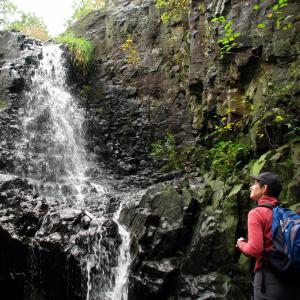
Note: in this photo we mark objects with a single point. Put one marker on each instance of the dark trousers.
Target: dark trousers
(276, 288)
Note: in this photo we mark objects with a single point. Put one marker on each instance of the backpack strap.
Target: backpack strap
(268, 205)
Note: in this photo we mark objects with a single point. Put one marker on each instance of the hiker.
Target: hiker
(267, 283)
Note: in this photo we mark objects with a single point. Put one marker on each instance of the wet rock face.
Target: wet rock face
(132, 105)
(19, 57)
(45, 247)
(33, 264)
(258, 70)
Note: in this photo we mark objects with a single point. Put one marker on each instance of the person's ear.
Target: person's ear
(265, 189)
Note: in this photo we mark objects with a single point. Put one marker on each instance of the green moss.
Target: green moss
(85, 91)
(82, 50)
(3, 104)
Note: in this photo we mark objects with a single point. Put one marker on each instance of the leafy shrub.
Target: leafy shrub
(81, 49)
(30, 25)
(226, 156)
(282, 22)
(228, 41)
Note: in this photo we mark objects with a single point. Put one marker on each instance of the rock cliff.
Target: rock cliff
(229, 117)
(174, 81)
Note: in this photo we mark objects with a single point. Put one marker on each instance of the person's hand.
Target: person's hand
(239, 240)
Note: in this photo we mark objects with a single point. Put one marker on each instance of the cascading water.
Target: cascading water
(52, 154)
(52, 123)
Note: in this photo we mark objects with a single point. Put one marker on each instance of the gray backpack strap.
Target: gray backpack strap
(269, 205)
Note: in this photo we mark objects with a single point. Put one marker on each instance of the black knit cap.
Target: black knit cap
(271, 180)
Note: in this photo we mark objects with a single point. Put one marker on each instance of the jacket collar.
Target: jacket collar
(268, 199)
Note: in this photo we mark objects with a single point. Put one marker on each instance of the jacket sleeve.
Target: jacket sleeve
(254, 245)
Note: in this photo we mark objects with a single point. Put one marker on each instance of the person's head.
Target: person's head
(265, 184)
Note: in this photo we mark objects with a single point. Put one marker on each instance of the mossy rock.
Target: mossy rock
(164, 201)
(229, 221)
(201, 192)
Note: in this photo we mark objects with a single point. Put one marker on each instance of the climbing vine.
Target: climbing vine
(228, 41)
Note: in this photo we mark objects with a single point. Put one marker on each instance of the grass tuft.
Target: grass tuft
(82, 50)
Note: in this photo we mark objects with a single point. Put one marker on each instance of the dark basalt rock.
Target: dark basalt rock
(19, 57)
(130, 107)
(44, 245)
(160, 236)
(32, 253)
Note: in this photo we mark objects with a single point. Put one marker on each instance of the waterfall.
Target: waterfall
(52, 130)
(52, 153)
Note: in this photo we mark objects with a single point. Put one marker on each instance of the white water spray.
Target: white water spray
(52, 123)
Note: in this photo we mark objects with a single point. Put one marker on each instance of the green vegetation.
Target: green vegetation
(85, 91)
(3, 104)
(223, 158)
(82, 8)
(132, 54)
(272, 119)
(228, 41)
(174, 10)
(224, 125)
(81, 49)
(282, 22)
(226, 156)
(167, 151)
(7, 11)
(27, 23)
(30, 25)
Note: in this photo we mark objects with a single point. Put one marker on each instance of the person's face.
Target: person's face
(257, 190)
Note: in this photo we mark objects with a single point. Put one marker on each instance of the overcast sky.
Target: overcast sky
(53, 12)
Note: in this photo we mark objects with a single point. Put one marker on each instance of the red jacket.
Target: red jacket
(259, 231)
